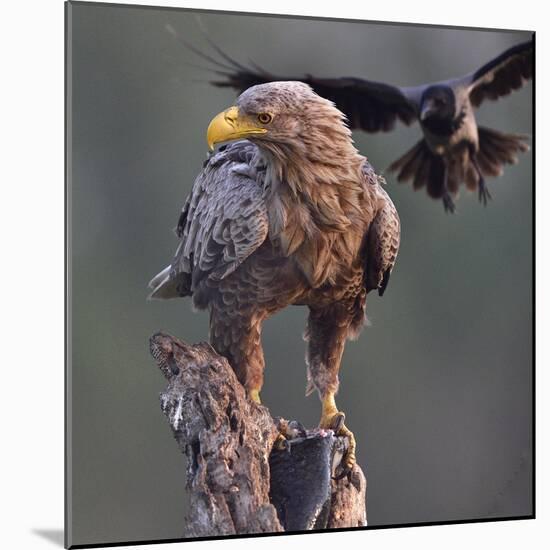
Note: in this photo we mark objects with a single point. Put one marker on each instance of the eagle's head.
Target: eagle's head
(287, 114)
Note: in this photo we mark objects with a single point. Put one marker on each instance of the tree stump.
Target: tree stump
(238, 483)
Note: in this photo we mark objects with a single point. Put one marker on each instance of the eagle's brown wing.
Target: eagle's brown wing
(382, 243)
(507, 72)
(223, 221)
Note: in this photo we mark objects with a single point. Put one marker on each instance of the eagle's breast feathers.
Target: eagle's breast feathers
(321, 235)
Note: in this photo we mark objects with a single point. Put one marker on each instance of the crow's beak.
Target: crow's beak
(428, 109)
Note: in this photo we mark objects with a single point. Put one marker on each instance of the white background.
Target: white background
(31, 252)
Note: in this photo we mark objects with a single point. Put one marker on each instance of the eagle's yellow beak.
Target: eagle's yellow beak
(230, 125)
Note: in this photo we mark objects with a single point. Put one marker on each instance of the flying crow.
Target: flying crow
(454, 149)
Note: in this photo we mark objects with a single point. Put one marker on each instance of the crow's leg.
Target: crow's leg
(326, 334)
(484, 195)
(448, 203)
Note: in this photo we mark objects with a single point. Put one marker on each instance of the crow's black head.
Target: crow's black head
(437, 103)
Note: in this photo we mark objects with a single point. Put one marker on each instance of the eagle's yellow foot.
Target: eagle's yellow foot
(280, 442)
(255, 396)
(289, 431)
(333, 419)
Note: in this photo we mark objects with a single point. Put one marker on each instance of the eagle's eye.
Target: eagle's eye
(265, 118)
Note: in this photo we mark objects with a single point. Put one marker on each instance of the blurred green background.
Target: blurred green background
(438, 390)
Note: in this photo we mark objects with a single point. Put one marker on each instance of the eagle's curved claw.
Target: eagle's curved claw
(336, 423)
(281, 443)
(288, 430)
(349, 460)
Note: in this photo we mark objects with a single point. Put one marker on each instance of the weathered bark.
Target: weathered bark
(237, 482)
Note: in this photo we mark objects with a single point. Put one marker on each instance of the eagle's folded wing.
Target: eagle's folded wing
(382, 245)
(223, 221)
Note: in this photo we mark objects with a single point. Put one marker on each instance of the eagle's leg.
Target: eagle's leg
(254, 394)
(333, 419)
(238, 339)
(327, 331)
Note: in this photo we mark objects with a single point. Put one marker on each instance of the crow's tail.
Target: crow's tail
(422, 168)
(497, 149)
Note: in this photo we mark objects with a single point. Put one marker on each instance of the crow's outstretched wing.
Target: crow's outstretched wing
(369, 106)
(499, 77)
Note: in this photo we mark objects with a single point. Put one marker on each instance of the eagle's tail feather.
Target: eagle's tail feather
(159, 278)
(165, 286)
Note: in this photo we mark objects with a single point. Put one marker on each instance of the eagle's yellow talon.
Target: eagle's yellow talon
(333, 419)
(280, 443)
(255, 396)
(348, 462)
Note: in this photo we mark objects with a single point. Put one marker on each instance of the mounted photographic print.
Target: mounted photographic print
(299, 274)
